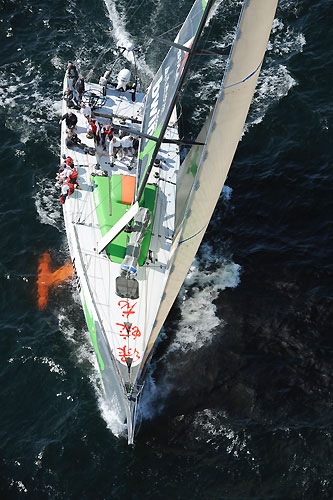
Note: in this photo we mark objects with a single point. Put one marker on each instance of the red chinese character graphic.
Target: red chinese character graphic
(127, 309)
(135, 332)
(124, 328)
(127, 330)
(124, 353)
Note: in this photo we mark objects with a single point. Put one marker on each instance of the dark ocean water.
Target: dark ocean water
(238, 401)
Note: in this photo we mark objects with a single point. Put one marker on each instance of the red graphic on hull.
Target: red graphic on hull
(130, 331)
(126, 352)
(127, 331)
(126, 308)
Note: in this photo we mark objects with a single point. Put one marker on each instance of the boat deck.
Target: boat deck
(97, 273)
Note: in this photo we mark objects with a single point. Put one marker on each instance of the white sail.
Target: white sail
(224, 132)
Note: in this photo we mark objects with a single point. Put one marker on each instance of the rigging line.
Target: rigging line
(204, 41)
(171, 29)
(84, 205)
(93, 208)
(76, 199)
(102, 54)
(92, 211)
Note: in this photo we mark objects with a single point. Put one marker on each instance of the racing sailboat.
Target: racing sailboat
(135, 224)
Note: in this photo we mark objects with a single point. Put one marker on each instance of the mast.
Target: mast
(208, 166)
(157, 112)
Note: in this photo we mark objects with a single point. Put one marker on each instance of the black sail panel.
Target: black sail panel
(165, 87)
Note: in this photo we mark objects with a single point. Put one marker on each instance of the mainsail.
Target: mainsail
(165, 87)
(207, 168)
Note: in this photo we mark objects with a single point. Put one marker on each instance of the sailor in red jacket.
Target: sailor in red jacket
(66, 190)
(66, 161)
(72, 176)
(94, 126)
(107, 133)
(69, 162)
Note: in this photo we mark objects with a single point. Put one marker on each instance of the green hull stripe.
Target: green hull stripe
(92, 331)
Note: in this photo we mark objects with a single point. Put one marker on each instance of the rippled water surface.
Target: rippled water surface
(238, 401)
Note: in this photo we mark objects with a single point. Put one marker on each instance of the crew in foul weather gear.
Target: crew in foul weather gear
(69, 160)
(66, 190)
(94, 127)
(72, 176)
(66, 161)
(107, 133)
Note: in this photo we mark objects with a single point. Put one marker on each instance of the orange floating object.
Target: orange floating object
(50, 279)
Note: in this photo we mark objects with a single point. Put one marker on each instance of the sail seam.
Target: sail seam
(193, 236)
(247, 78)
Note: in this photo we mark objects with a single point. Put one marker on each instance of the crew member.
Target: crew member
(66, 190)
(94, 126)
(66, 161)
(114, 147)
(71, 120)
(72, 176)
(103, 81)
(72, 75)
(86, 111)
(79, 87)
(106, 133)
(127, 145)
(72, 140)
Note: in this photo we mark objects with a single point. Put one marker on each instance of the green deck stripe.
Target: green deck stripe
(101, 188)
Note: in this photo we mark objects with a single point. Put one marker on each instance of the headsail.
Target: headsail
(224, 131)
(164, 89)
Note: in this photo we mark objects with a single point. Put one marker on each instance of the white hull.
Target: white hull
(106, 312)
